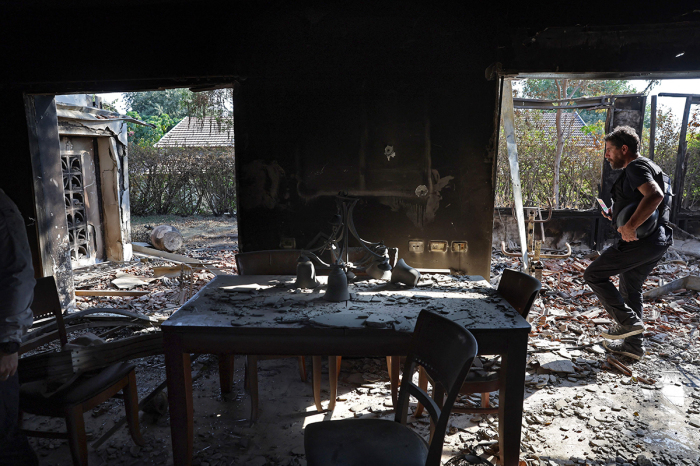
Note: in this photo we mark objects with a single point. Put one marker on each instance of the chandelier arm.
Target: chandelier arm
(351, 225)
(313, 256)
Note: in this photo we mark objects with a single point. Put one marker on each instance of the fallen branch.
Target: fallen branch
(619, 366)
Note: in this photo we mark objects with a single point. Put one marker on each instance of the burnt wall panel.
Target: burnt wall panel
(413, 142)
(16, 177)
(287, 56)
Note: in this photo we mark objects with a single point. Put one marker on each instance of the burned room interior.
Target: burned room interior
(366, 154)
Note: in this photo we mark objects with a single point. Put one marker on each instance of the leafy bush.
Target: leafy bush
(580, 169)
(181, 180)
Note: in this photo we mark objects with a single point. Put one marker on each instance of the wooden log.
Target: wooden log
(166, 238)
(144, 250)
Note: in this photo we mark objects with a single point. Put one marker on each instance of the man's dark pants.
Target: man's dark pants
(14, 447)
(632, 261)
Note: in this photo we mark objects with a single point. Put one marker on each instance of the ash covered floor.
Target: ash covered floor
(579, 409)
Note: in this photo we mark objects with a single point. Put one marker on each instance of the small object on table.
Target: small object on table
(404, 273)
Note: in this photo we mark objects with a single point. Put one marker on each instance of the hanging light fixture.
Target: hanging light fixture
(376, 264)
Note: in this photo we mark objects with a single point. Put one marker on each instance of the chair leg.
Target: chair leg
(131, 405)
(338, 361)
(485, 400)
(333, 370)
(423, 384)
(393, 365)
(77, 440)
(226, 372)
(251, 371)
(316, 362)
(302, 368)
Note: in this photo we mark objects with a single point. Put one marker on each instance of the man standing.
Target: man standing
(16, 295)
(641, 182)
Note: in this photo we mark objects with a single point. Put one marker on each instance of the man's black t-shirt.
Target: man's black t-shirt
(624, 192)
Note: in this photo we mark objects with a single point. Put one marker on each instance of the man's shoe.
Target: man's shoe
(620, 332)
(625, 349)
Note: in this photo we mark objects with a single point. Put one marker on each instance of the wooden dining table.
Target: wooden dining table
(268, 315)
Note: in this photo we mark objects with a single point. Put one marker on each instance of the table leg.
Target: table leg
(226, 372)
(333, 368)
(316, 363)
(251, 372)
(510, 399)
(179, 374)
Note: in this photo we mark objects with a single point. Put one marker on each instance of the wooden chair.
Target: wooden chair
(446, 351)
(80, 394)
(520, 290)
(272, 262)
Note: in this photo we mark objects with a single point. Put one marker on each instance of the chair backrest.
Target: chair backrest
(446, 351)
(519, 289)
(47, 303)
(272, 262)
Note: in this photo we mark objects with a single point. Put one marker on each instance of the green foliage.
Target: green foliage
(181, 181)
(155, 103)
(547, 89)
(165, 109)
(110, 106)
(580, 168)
(145, 135)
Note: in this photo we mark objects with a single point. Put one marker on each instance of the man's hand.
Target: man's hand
(602, 212)
(628, 233)
(8, 365)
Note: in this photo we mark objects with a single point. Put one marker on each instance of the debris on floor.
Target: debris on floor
(582, 406)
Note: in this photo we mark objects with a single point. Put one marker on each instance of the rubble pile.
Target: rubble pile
(609, 409)
(582, 406)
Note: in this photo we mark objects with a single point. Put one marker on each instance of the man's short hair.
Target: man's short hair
(624, 136)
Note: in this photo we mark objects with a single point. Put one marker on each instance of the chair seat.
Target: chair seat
(482, 376)
(87, 386)
(363, 442)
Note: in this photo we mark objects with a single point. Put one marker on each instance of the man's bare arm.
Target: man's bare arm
(653, 196)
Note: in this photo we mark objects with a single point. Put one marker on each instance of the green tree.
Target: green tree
(165, 109)
(562, 90)
(172, 102)
(145, 135)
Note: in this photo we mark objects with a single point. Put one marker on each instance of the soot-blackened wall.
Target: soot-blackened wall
(397, 113)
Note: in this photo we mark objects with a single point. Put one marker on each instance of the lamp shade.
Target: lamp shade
(337, 290)
(404, 273)
(306, 273)
(379, 269)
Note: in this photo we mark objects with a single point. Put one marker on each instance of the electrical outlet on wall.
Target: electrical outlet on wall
(416, 246)
(288, 243)
(438, 246)
(459, 246)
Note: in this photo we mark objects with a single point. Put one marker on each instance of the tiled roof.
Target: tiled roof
(198, 132)
(572, 123)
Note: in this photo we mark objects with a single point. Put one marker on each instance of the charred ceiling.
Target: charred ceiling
(388, 103)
